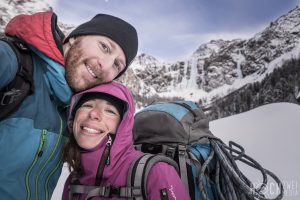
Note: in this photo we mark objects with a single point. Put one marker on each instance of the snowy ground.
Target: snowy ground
(270, 134)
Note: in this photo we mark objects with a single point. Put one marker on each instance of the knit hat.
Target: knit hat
(117, 103)
(120, 31)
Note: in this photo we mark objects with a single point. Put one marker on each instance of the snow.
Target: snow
(270, 135)
(190, 83)
(238, 58)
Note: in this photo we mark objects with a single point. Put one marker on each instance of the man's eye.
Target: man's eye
(118, 66)
(104, 47)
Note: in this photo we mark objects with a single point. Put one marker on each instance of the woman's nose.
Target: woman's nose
(96, 114)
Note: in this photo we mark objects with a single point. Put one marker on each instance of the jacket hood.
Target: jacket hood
(122, 151)
(39, 30)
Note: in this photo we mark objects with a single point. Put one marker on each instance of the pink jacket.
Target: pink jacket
(161, 176)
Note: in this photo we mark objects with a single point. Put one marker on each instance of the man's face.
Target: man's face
(92, 60)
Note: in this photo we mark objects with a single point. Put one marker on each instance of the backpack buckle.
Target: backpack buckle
(114, 191)
(110, 191)
(170, 152)
(10, 96)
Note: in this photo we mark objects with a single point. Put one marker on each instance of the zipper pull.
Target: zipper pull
(108, 146)
(108, 143)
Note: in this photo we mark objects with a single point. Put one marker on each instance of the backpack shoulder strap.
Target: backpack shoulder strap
(104, 191)
(140, 168)
(22, 85)
(101, 191)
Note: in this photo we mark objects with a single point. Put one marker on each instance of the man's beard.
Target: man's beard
(72, 62)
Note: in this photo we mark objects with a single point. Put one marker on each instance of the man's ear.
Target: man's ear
(72, 40)
(67, 45)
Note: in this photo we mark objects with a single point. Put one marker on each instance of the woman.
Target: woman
(100, 149)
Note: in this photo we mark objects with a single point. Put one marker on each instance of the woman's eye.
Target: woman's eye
(111, 111)
(87, 105)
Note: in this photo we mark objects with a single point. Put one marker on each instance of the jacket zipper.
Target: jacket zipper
(105, 160)
(46, 163)
(37, 156)
(50, 157)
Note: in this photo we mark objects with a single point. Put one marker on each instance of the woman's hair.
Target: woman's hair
(71, 155)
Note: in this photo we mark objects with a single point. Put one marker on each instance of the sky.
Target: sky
(269, 134)
(171, 30)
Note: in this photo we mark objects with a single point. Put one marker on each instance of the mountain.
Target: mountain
(11, 8)
(221, 72)
(225, 76)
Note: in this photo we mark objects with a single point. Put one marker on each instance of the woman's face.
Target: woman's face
(94, 119)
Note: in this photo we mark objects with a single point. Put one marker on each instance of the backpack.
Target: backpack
(180, 131)
(21, 86)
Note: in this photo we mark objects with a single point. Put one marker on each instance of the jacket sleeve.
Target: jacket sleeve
(164, 178)
(8, 64)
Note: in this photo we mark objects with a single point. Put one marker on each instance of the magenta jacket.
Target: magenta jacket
(161, 176)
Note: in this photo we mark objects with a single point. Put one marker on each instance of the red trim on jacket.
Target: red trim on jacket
(36, 30)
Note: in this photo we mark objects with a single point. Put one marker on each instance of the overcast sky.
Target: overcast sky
(172, 30)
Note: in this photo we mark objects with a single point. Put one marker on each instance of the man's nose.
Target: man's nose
(106, 61)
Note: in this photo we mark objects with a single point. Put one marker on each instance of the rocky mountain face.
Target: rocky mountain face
(225, 77)
(219, 68)
(11, 8)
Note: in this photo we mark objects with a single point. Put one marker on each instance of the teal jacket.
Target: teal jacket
(31, 139)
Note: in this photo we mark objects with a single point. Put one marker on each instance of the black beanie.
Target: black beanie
(121, 32)
(118, 103)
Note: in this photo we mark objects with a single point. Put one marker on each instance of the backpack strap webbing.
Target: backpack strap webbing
(182, 165)
(140, 168)
(104, 191)
(22, 85)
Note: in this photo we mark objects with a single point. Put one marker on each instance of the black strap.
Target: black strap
(22, 85)
(140, 168)
(104, 191)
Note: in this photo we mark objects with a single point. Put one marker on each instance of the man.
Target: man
(32, 137)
